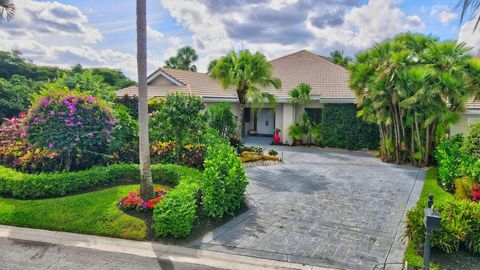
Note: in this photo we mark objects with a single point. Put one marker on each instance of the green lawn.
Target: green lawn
(429, 187)
(88, 213)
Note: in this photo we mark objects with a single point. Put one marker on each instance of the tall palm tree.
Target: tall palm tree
(339, 59)
(248, 73)
(469, 8)
(146, 183)
(7, 10)
(184, 59)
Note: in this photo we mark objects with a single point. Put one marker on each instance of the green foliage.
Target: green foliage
(12, 63)
(191, 155)
(317, 132)
(177, 214)
(413, 87)
(300, 95)
(339, 59)
(178, 119)
(221, 118)
(342, 129)
(131, 103)
(225, 180)
(471, 145)
(32, 186)
(296, 131)
(273, 152)
(74, 125)
(183, 60)
(112, 77)
(449, 159)
(15, 95)
(463, 188)
(124, 144)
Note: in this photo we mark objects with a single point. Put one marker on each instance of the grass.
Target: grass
(429, 187)
(88, 213)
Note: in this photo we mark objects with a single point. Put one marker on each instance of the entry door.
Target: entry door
(265, 121)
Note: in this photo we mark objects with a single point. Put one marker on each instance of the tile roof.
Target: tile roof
(327, 79)
(473, 104)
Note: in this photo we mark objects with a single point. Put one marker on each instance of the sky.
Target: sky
(102, 32)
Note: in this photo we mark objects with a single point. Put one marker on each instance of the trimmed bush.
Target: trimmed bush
(177, 214)
(341, 128)
(225, 180)
(471, 145)
(449, 158)
(32, 186)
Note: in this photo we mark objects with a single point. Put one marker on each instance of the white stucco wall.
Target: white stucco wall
(465, 120)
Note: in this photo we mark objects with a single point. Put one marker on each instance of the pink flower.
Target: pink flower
(50, 145)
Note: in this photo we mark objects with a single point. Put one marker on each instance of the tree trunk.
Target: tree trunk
(427, 145)
(146, 183)
(240, 120)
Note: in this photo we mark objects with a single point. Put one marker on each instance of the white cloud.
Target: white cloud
(155, 35)
(443, 13)
(345, 25)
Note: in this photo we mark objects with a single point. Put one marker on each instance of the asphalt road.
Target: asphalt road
(25, 255)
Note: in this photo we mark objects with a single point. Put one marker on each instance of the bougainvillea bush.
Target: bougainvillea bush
(17, 154)
(76, 125)
(135, 202)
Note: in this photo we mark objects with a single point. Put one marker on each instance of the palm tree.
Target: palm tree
(248, 73)
(339, 59)
(146, 183)
(211, 65)
(7, 8)
(184, 59)
(300, 95)
(469, 9)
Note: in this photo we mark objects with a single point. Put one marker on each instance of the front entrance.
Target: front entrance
(259, 122)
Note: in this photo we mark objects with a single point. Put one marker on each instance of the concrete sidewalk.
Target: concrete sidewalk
(134, 252)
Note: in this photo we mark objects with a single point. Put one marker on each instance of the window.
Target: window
(246, 115)
(314, 114)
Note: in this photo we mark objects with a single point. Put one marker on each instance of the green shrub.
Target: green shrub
(31, 186)
(273, 152)
(341, 128)
(460, 226)
(221, 118)
(471, 145)
(177, 214)
(449, 158)
(463, 188)
(225, 180)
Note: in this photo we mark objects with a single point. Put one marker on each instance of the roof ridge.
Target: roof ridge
(290, 54)
(324, 59)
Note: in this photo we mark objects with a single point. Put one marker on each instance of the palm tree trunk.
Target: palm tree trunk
(240, 120)
(427, 145)
(146, 183)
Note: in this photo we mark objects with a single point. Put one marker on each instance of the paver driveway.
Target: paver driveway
(329, 208)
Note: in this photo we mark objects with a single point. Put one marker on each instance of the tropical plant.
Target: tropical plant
(295, 131)
(183, 60)
(248, 73)
(179, 115)
(316, 133)
(339, 59)
(7, 9)
(413, 88)
(471, 144)
(221, 118)
(211, 65)
(146, 183)
(300, 95)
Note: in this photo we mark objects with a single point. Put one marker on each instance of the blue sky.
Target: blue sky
(102, 33)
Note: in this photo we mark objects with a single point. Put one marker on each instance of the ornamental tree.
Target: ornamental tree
(75, 125)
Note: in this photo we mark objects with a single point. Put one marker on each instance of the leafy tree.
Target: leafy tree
(15, 95)
(221, 118)
(248, 73)
(183, 60)
(339, 59)
(146, 182)
(12, 63)
(7, 9)
(179, 116)
(211, 65)
(113, 77)
(87, 82)
(413, 88)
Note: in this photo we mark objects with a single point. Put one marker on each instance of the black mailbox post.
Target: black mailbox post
(431, 220)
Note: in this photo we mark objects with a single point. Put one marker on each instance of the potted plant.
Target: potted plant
(296, 131)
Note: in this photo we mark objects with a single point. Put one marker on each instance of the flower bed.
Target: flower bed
(134, 202)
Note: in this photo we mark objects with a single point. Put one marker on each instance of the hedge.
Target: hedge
(33, 186)
(177, 214)
(341, 128)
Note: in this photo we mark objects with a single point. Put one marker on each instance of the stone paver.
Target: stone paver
(332, 208)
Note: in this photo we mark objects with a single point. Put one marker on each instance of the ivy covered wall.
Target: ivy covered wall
(341, 128)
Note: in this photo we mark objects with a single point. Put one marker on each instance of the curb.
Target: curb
(149, 249)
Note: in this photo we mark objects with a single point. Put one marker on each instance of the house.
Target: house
(329, 83)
